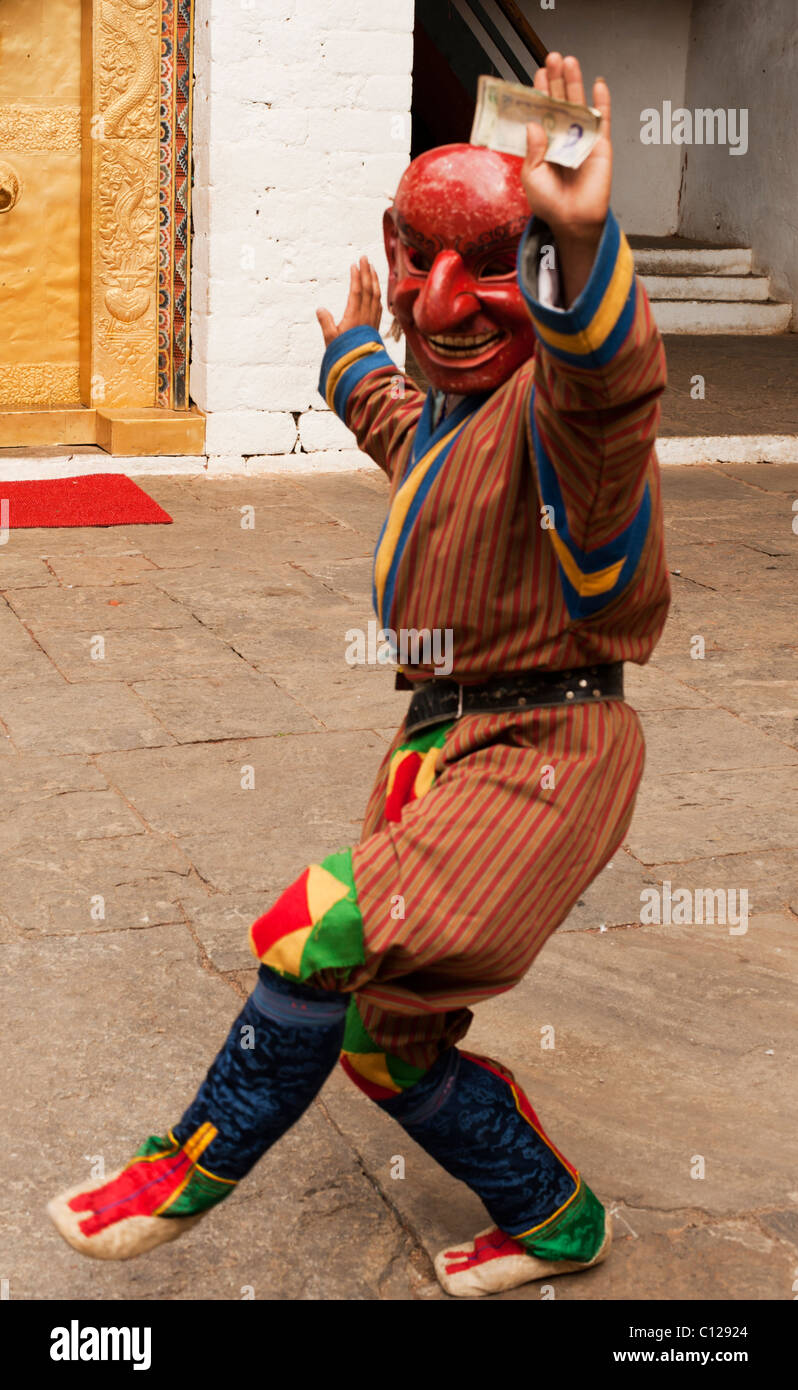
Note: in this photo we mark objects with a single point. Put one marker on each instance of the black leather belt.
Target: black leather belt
(437, 701)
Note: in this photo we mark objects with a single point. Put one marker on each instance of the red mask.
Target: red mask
(451, 238)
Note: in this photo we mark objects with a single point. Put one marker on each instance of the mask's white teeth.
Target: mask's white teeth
(462, 344)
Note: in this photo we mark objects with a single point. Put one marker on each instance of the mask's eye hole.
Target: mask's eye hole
(419, 262)
(498, 267)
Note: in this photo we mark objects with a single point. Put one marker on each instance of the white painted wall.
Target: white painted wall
(747, 56)
(641, 49)
(301, 133)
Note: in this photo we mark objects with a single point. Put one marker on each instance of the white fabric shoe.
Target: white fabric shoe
(127, 1236)
(493, 1262)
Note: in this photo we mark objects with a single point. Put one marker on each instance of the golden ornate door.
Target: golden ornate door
(95, 117)
(40, 173)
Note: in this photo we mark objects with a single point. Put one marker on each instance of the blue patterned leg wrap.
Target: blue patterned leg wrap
(466, 1117)
(279, 1052)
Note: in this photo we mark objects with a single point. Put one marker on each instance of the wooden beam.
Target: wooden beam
(524, 30)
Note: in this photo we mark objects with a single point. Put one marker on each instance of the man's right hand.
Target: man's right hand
(363, 307)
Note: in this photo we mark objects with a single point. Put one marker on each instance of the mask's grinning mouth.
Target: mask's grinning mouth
(463, 344)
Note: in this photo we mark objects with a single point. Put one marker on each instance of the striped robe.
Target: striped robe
(529, 522)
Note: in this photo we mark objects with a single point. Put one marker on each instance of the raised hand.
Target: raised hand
(363, 307)
(573, 202)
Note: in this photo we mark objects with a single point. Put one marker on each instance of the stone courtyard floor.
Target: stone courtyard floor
(132, 861)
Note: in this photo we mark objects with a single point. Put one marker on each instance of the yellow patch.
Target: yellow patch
(372, 1066)
(427, 772)
(590, 339)
(198, 1142)
(323, 890)
(286, 954)
(586, 584)
(343, 363)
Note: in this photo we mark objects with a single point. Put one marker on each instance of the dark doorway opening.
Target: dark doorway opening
(454, 42)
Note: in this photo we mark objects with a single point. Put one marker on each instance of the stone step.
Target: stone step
(711, 287)
(693, 260)
(708, 316)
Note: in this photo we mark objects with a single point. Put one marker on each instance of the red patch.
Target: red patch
(402, 790)
(139, 1191)
(289, 913)
(494, 1245)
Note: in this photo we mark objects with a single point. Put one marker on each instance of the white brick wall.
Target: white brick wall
(301, 133)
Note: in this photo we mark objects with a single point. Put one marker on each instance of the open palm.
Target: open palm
(363, 307)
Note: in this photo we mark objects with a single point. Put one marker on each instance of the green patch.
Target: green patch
(428, 738)
(200, 1192)
(576, 1233)
(336, 942)
(157, 1146)
(356, 1038)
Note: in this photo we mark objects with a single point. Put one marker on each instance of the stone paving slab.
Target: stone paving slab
(240, 704)
(780, 477)
(351, 579)
(21, 571)
(231, 600)
(70, 888)
(692, 740)
(83, 815)
(180, 790)
(131, 656)
(709, 492)
(733, 568)
(356, 698)
(136, 606)
(102, 571)
(613, 899)
(693, 815)
(748, 384)
(48, 542)
(649, 690)
(362, 506)
(67, 719)
(266, 860)
(769, 879)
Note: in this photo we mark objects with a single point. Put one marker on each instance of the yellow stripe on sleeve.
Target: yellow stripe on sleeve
(590, 339)
(338, 369)
(401, 506)
(586, 585)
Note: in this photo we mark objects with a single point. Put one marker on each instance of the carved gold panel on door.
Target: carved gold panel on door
(120, 284)
(40, 211)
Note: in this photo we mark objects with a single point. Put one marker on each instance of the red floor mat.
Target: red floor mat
(100, 499)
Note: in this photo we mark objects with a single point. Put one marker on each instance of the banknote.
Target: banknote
(504, 109)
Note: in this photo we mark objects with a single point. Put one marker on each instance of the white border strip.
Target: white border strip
(728, 448)
(672, 451)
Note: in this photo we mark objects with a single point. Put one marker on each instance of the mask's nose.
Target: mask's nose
(448, 297)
